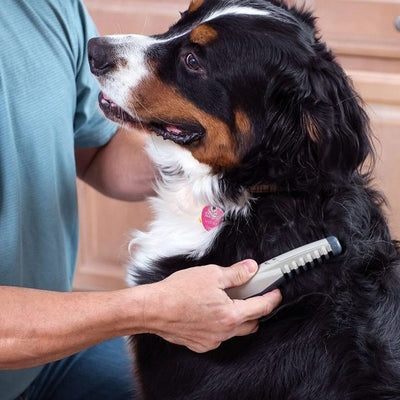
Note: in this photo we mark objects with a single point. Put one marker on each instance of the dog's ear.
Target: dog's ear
(334, 120)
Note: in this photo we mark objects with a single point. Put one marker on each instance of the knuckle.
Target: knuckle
(229, 335)
(210, 345)
(225, 336)
(255, 327)
(215, 345)
(269, 307)
(228, 321)
(215, 271)
(240, 274)
(202, 349)
(219, 271)
(231, 321)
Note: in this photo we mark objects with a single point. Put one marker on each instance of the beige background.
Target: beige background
(363, 35)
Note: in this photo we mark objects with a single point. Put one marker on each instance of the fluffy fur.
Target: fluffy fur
(255, 97)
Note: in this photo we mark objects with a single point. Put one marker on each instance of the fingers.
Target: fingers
(259, 306)
(246, 328)
(238, 274)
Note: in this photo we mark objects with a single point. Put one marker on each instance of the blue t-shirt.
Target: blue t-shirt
(48, 106)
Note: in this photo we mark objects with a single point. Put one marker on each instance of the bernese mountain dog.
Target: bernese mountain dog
(255, 127)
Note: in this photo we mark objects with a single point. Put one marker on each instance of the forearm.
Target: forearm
(189, 308)
(38, 326)
(121, 169)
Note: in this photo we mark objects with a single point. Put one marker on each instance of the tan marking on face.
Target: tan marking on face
(242, 121)
(154, 100)
(195, 5)
(244, 130)
(203, 34)
(311, 128)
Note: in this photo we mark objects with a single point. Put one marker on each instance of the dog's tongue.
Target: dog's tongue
(173, 129)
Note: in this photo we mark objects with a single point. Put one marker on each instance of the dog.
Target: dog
(252, 121)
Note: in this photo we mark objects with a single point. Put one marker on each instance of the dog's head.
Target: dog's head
(245, 86)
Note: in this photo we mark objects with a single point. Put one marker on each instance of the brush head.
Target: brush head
(276, 272)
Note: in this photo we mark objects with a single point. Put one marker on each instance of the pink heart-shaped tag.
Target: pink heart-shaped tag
(211, 217)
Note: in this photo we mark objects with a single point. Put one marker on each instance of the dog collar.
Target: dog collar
(212, 216)
(264, 189)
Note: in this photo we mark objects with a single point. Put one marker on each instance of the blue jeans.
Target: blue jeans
(102, 372)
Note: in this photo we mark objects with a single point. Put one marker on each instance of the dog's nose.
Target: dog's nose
(101, 57)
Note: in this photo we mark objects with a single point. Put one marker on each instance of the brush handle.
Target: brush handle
(275, 272)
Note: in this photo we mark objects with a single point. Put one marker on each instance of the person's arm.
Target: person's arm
(121, 169)
(189, 308)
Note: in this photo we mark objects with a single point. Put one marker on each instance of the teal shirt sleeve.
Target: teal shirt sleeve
(91, 128)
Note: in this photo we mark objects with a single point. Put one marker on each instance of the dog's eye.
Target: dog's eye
(192, 62)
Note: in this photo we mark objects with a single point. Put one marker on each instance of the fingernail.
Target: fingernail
(251, 265)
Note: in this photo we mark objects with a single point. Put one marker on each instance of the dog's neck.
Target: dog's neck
(190, 183)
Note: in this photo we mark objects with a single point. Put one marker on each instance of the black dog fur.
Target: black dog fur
(337, 333)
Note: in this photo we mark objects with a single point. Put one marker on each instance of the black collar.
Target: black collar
(265, 189)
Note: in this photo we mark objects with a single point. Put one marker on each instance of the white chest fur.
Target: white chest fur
(184, 189)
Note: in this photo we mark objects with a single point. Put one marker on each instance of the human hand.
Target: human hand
(191, 307)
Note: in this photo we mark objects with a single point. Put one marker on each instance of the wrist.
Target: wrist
(137, 310)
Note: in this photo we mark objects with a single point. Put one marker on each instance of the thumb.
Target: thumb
(238, 274)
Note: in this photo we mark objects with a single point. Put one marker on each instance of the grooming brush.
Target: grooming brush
(275, 272)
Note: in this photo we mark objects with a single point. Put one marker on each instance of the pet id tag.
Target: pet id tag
(211, 217)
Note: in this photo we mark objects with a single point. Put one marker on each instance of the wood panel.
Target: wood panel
(360, 27)
(377, 87)
(135, 16)
(385, 123)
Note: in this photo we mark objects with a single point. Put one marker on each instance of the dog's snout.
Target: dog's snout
(101, 56)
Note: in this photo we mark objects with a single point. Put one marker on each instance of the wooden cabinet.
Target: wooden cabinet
(362, 34)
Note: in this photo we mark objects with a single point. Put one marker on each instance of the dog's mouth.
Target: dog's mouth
(184, 133)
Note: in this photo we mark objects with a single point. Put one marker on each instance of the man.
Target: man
(51, 131)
